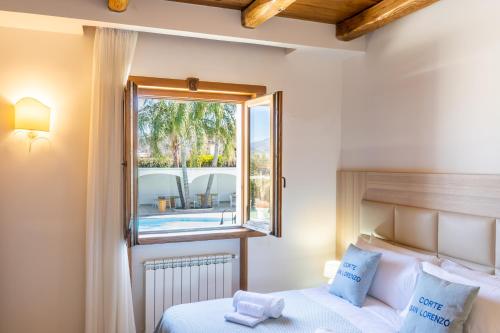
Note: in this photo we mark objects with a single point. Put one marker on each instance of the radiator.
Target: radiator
(179, 280)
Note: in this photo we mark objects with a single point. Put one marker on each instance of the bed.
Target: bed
(470, 240)
(305, 311)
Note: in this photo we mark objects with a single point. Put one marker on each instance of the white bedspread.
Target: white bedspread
(374, 317)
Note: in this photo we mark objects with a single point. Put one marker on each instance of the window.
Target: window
(201, 157)
(188, 164)
(263, 164)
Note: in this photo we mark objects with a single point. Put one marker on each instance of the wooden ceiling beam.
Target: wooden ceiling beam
(259, 11)
(377, 16)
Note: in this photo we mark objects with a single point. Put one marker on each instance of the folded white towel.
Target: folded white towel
(250, 309)
(273, 306)
(242, 319)
(323, 330)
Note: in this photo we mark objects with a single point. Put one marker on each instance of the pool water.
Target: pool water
(162, 223)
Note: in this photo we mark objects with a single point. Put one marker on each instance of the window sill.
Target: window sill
(195, 236)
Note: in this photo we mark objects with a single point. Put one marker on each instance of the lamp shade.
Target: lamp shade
(32, 115)
(331, 268)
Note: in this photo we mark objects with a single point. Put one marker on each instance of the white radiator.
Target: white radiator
(172, 281)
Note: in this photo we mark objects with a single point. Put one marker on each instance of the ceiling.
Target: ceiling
(352, 18)
(325, 11)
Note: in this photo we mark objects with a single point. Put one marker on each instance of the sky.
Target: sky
(259, 123)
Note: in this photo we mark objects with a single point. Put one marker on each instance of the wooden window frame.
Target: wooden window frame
(275, 102)
(190, 89)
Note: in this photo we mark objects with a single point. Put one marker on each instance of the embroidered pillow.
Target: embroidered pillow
(355, 275)
(439, 306)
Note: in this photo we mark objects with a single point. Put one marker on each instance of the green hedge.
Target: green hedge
(201, 161)
(204, 161)
(154, 162)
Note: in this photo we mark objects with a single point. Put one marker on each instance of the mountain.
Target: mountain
(261, 146)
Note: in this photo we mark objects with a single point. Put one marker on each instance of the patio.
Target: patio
(159, 204)
(147, 210)
(151, 220)
(156, 182)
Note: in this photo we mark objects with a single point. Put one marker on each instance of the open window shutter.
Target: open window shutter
(129, 161)
(262, 168)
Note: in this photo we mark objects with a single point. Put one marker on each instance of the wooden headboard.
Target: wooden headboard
(477, 195)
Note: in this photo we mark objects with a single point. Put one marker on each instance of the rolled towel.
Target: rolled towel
(273, 306)
(250, 309)
(323, 330)
(242, 319)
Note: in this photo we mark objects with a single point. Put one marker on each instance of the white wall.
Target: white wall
(42, 193)
(312, 90)
(426, 95)
(151, 185)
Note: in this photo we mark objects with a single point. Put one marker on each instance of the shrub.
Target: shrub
(154, 162)
(200, 161)
(205, 161)
(225, 162)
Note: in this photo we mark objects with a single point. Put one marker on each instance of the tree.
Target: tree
(220, 126)
(157, 121)
(189, 119)
(151, 119)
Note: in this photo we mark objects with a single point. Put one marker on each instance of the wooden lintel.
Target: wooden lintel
(259, 11)
(377, 16)
(203, 86)
(192, 95)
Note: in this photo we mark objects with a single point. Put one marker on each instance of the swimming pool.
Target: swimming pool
(179, 221)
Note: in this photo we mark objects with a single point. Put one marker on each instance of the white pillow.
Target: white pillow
(419, 255)
(396, 276)
(484, 317)
(456, 268)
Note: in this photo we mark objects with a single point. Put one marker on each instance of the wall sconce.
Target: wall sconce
(32, 116)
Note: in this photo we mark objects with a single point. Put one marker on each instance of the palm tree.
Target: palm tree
(220, 126)
(173, 131)
(151, 121)
(156, 122)
(189, 120)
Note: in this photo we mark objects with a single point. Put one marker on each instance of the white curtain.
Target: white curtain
(108, 292)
